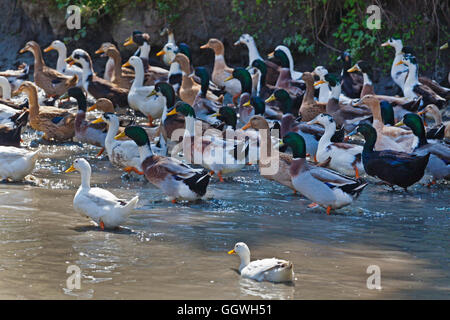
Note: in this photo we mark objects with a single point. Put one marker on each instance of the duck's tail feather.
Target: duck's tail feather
(198, 182)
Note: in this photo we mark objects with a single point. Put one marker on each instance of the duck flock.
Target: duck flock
(327, 135)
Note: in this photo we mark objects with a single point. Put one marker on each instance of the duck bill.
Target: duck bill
(386, 44)
(126, 64)
(172, 112)
(120, 136)
(312, 122)
(205, 46)
(70, 61)
(237, 42)
(271, 55)
(399, 63)
(229, 78)
(98, 120)
(353, 69)
(153, 93)
(215, 115)
(71, 169)
(247, 125)
(49, 48)
(24, 49)
(232, 252)
(399, 124)
(444, 46)
(64, 96)
(421, 112)
(247, 104)
(271, 98)
(161, 53)
(92, 108)
(128, 42)
(318, 83)
(99, 51)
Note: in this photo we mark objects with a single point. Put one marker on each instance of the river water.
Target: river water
(179, 251)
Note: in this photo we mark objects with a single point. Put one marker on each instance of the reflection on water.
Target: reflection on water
(180, 251)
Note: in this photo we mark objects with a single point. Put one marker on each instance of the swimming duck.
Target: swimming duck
(16, 77)
(270, 156)
(121, 153)
(61, 64)
(388, 137)
(441, 130)
(310, 108)
(57, 124)
(98, 204)
(85, 131)
(96, 86)
(51, 81)
(366, 70)
(393, 167)
(16, 163)
(343, 114)
(342, 157)
(119, 78)
(10, 135)
(352, 82)
(221, 71)
(176, 179)
(324, 187)
(139, 97)
(208, 147)
(273, 270)
(439, 162)
(413, 88)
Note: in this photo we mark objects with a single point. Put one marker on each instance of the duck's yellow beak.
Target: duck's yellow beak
(49, 48)
(153, 93)
(271, 98)
(126, 64)
(162, 52)
(444, 46)
(216, 115)
(247, 104)
(318, 82)
(399, 124)
(71, 168)
(353, 69)
(231, 252)
(281, 143)
(386, 44)
(270, 55)
(128, 41)
(247, 125)
(172, 112)
(229, 78)
(24, 49)
(421, 112)
(120, 135)
(98, 120)
(92, 108)
(399, 63)
(70, 61)
(99, 51)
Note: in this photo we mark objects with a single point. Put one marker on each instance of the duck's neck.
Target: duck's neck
(370, 143)
(113, 128)
(376, 113)
(309, 94)
(245, 260)
(253, 53)
(138, 75)
(38, 59)
(170, 38)
(145, 151)
(413, 76)
(145, 50)
(61, 64)
(117, 65)
(174, 68)
(367, 79)
(335, 92)
(6, 88)
(88, 72)
(262, 80)
(219, 62)
(324, 92)
(33, 102)
(86, 178)
(325, 140)
(437, 117)
(190, 126)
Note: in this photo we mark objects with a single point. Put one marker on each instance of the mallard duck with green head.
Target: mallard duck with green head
(324, 187)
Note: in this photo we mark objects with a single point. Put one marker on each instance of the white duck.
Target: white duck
(100, 205)
(61, 65)
(398, 71)
(324, 88)
(344, 157)
(16, 163)
(139, 97)
(273, 269)
(253, 53)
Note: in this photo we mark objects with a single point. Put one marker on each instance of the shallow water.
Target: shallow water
(168, 251)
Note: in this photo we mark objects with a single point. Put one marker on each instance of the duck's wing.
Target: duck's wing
(330, 177)
(258, 267)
